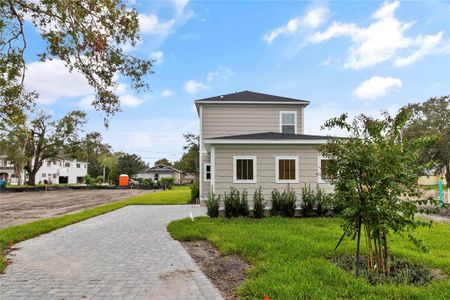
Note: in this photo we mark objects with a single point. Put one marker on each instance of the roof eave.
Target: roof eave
(267, 141)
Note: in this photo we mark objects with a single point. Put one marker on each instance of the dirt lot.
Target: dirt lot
(24, 207)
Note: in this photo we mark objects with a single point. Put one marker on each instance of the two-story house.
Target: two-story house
(250, 139)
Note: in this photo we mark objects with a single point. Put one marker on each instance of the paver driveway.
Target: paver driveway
(125, 254)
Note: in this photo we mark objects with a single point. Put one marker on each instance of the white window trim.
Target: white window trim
(204, 172)
(319, 169)
(295, 119)
(297, 171)
(255, 173)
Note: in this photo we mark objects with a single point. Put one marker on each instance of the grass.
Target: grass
(15, 234)
(289, 257)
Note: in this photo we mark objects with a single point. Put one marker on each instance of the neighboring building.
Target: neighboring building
(250, 139)
(188, 178)
(56, 171)
(431, 179)
(160, 171)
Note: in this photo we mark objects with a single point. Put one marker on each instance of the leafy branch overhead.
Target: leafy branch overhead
(86, 35)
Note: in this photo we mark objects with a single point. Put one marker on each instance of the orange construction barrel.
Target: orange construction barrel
(123, 180)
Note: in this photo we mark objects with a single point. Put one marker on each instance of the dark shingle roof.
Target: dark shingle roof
(273, 136)
(248, 96)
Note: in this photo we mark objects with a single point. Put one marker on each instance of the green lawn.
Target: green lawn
(15, 234)
(289, 257)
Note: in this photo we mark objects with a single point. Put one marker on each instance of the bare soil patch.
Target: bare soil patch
(226, 272)
(24, 207)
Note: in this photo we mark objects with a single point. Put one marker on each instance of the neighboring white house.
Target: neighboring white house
(249, 139)
(56, 171)
(160, 171)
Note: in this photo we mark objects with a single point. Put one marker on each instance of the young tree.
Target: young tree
(107, 161)
(432, 117)
(47, 139)
(375, 182)
(189, 162)
(86, 35)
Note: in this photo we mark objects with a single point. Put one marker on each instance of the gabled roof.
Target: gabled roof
(251, 97)
(161, 168)
(270, 137)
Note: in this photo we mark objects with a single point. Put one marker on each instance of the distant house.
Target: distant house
(249, 139)
(55, 171)
(160, 171)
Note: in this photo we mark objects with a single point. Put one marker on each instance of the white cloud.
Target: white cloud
(53, 81)
(150, 24)
(130, 100)
(376, 87)
(180, 5)
(157, 56)
(312, 19)
(380, 41)
(221, 72)
(193, 87)
(167, 93)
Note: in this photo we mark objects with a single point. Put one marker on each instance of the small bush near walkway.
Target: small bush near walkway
(236, 204)
(212, 205)
(283, 204)
(259, 204)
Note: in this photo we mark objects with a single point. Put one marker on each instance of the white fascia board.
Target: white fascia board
(276, 142)
(251, 102)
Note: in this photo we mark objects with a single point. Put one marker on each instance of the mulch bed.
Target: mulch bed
(226, 272)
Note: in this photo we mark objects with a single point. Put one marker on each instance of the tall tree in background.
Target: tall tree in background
(163, 161)
(189, 162)
(432, 117)
(85, 35)
(130, 164)
(47, 139)
(12, 145)
(108, 162)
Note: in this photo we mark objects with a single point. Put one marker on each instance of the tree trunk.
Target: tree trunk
(358, 248)
(32, 178)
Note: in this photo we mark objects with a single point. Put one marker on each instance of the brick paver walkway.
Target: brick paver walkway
(125, 254)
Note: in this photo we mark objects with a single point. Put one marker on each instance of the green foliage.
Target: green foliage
(376, 174)
(88, 179)
(244, 210)
(432, 118)
(113, 176)
(259, 204)
(315, 202)
(283, 204)
(189, 162)
(212, 205)
(166, 182)
(289, 257)
(130, 164)
(163, 161)
(232, 203)
(85, 35)
(147, 182)
(195, 189)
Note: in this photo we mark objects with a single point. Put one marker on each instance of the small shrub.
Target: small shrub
(276, 203)
(195, 189)
(167, 182)
(243, 205)
(99, 179)
(309, 201)
(212, 205)
(288, 200)
(232, 202)
(88, 180)
(259, 205)
(147, 182)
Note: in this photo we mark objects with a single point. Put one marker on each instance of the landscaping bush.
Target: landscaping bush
(167, 182)
(88, 180)
(243, 204)
(99, 179)
(259, 204)
(232, 202)
(284, 204)
(147, 182)
(309, 201)
(212, 205)
(195, 189)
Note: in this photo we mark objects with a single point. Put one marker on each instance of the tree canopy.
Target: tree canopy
(86, 35)
(432, 117)
(163, 161)
(189, 162)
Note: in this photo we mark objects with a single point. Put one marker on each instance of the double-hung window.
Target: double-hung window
(207, 172)
(244, 169)
(324, 172)
(288, 121)
(286, 169)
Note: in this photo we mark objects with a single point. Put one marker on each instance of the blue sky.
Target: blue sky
(354, 57)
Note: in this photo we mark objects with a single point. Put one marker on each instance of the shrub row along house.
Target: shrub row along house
(250, 139)
(58, 171)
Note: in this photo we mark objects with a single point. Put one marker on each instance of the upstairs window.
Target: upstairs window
(67, 165)
(288, 122)
(78, 166)
(244, 169)
(207, 172)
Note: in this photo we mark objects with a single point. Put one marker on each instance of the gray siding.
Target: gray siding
(232, 119)
(265, 156)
